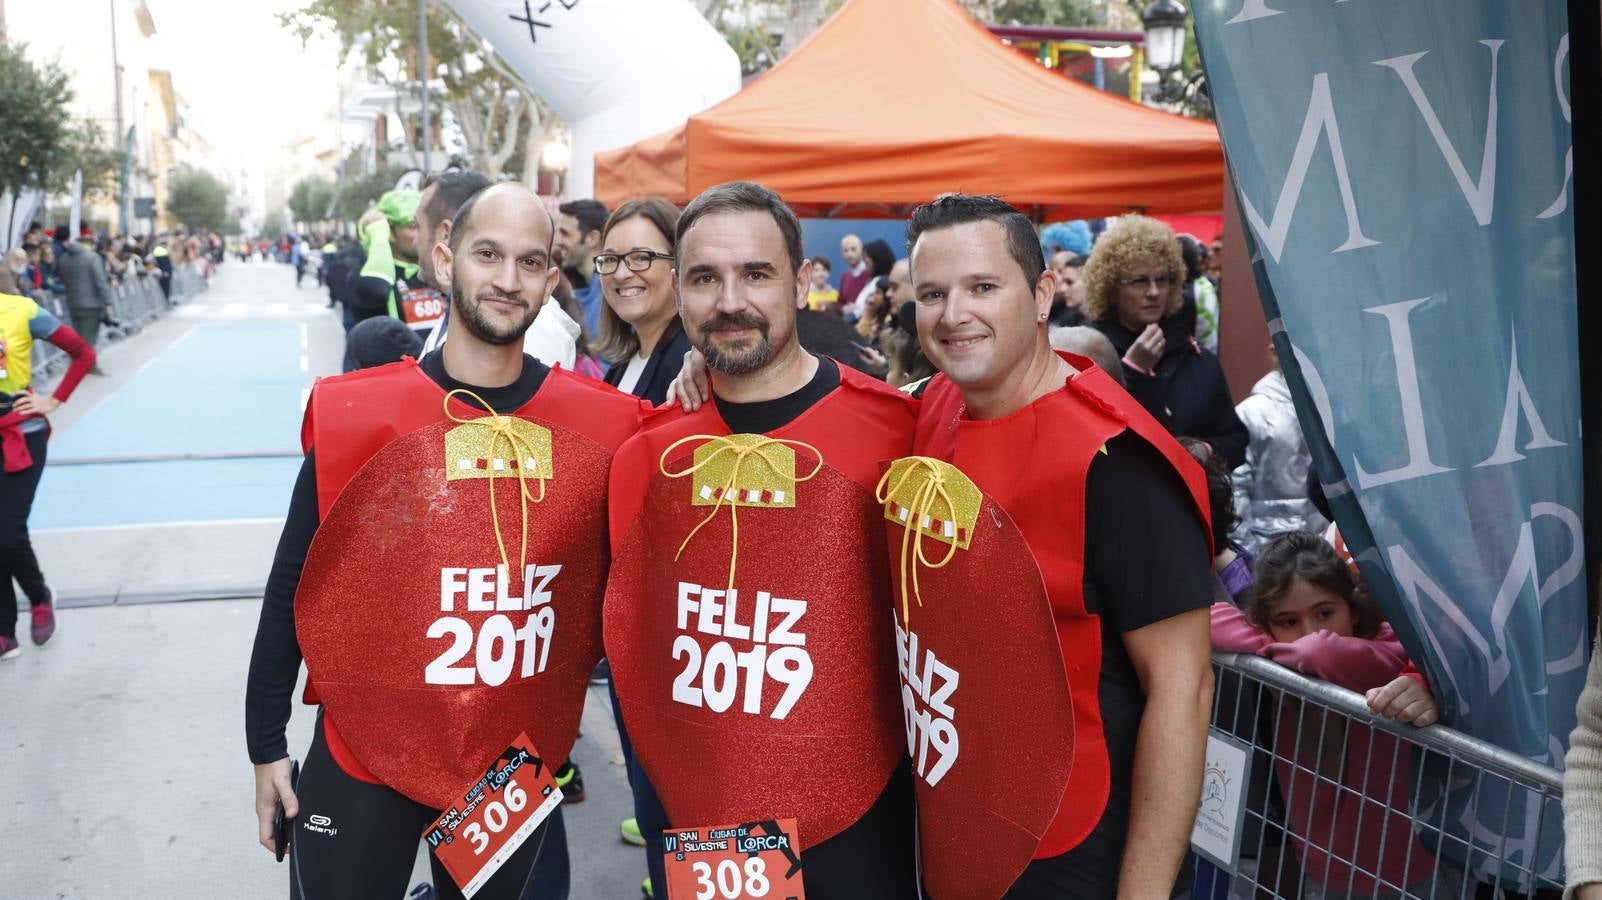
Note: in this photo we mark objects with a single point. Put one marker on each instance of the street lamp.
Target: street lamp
(1164, 21)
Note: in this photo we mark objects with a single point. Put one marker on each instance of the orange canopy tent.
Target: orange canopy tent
(892, 102)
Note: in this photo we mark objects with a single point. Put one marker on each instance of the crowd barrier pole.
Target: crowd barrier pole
(1334, 803)
(135, 302)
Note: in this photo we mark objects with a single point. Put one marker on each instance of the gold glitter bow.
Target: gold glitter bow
(504, 428)
(743, 448)
(933, 484)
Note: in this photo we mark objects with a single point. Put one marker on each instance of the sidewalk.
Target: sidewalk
(126, 776)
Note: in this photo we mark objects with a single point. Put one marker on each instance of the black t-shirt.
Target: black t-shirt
(873, 857)
(275, 657)
(764, 416)
(1146, 560)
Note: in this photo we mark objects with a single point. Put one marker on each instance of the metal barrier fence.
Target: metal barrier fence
(1339, 803)
(135, 303)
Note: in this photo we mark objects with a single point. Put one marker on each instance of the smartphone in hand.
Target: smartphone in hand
(281, 823)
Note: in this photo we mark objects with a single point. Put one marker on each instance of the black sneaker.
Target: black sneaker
(571, 781)
(602, 674)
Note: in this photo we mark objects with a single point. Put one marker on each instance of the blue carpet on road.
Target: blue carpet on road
(221, 388)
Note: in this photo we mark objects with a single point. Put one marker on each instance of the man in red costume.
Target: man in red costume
(745, 608)
(441, 569)
(1045, 517)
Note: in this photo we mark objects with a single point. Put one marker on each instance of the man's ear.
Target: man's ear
(1045, 291)
(803, 283)
(553, 275)
(442, 257)
(442, 231)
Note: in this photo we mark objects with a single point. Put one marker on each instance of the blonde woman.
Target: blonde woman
(1133, 284)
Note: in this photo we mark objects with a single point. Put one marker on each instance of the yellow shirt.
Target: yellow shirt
(16, 342)
(817, 299)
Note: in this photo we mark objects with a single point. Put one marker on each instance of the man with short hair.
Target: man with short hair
(856, 274)
(386, 524)
(789, 448)
(1069, 267)
(551, 339)
(1097, 527)
(578, 239)
(83, 273)
(390, 281)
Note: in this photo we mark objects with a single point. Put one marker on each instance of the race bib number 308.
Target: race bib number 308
(730, 862)
(497, 814)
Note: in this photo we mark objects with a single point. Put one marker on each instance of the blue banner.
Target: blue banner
(1403, 170)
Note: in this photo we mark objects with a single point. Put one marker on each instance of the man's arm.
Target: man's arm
(1173, 659)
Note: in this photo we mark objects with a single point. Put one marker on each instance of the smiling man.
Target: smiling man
(738, 544)
(1097, 651)
(399, 551)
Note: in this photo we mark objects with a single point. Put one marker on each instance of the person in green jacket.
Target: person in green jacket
(390, 282)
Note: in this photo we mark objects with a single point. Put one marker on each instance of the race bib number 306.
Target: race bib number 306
(758, 859)
(497, 814)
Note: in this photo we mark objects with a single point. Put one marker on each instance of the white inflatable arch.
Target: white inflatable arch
(616, 71)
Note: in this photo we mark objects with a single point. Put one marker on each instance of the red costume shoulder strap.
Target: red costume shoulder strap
(598, 411)
(351, 417)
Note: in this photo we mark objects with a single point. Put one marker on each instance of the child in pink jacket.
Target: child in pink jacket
(1309, 611)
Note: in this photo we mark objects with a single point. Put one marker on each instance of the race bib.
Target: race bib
(732, 862)
(497, 813)
(420, 306)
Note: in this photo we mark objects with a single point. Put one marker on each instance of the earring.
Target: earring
(1042, 317)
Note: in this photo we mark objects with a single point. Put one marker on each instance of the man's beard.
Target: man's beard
(471, 314)
(735, 362)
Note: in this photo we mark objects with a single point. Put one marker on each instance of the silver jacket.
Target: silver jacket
(1271, 487)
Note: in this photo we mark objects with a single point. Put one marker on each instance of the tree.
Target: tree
(310, 200)
(86, 147)
(1061, 13)
(197, 199)
(497, 112)
(358, 195)
(274, 226)
(35, 133)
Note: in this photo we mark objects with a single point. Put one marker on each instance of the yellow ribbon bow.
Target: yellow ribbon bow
(502, 429)
(722, 444)
(932, 489)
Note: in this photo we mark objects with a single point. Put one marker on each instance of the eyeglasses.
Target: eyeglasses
(636, 260)
(1161, 282)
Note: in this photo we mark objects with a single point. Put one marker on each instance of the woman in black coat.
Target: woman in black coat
(641, 335)
(1133, 284)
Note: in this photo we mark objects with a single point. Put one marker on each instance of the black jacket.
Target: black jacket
(1186, 392)
(660, 369)
(826, 334)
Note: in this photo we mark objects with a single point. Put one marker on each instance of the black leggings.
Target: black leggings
(365, 840)
(17, 561)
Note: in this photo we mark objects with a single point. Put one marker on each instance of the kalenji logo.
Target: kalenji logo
(320, 825)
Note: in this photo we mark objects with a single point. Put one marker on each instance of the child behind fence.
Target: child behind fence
(1307, 610)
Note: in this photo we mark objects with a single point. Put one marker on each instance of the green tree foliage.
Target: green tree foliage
(1061, 13)
(274, 226)
(88, 147)
(197, 199)
(34, 125)
(310, 199)
(498, 113)
(358, 195)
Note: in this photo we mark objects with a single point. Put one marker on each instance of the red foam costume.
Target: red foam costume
(723, 735)
(422, 678)
(999, 603)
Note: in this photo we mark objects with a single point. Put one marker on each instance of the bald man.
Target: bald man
(388, 574)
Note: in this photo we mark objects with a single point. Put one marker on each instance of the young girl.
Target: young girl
(1347, 787)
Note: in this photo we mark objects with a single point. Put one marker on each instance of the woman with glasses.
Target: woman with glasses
(1133, 284)
(640, 331)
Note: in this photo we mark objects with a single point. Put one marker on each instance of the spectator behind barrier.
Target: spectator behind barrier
(1133, 295)
(1310, 612)
(1271, 486)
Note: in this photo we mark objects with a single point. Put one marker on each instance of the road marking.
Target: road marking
(144, 525)
(276, 309)
(234, 309)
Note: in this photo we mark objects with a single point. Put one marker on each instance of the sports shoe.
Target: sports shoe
(602, 674)
(630, 831)
(9, 647)
(44, 619)
(571, 781)
(645, 889)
